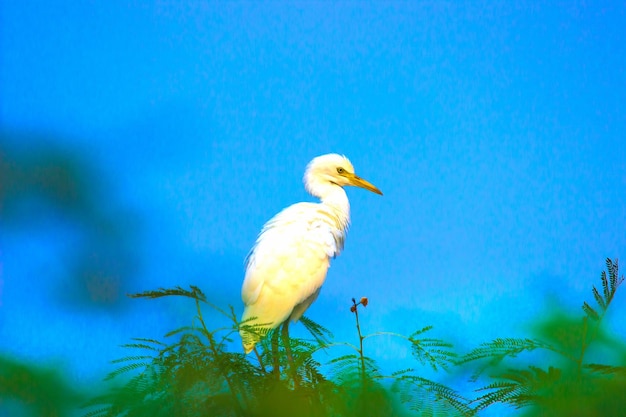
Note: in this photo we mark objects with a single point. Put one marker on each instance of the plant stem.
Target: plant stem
(358, 329)
(256, 352)
(291, 365)
(216, 354)
(275, 360)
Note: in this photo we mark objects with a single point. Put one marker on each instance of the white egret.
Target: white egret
(287, 265)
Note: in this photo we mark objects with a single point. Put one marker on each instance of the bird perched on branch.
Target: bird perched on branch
(287, 265)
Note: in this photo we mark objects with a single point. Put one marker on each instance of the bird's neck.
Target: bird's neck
(336, 199)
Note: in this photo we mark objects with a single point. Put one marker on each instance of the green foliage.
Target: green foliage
(435, 352)
(568, 366)
(564, 383)
(496, 351)
(42, 391)
(58, 183)
(429, 398)
(195, 374)
(519, 387)
(609, 286)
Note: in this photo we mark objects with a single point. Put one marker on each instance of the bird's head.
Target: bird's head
(333, 169)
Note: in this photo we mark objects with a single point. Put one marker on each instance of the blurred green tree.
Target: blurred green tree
(45, 189)
(563, 378)
(38, 391)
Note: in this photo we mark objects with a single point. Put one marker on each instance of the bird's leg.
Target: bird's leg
(292, 366)
(275, 361)
(256, 352)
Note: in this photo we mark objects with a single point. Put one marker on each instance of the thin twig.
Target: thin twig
(275, 361)
(355, 310)
(287, 344)
(258, 356)
(216, 353)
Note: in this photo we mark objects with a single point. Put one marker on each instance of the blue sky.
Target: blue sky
(495, 131)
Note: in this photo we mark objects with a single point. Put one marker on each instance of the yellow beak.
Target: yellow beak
(360, 182)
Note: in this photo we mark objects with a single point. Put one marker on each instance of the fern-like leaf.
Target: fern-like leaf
(607, 369)
(610, 283)
(131, 358)
(616, 280)
(590, 312)
(519, 387)
(140, 346)
(501, 391)
(402, 372)
(347, 369)
(435, 352)
(195, 293)
(146, 341)
(126, 369)
(605, 282)
(612, 268)
(596, 295)
(499, 349)
(321, 334)
(502, 347)
(430, 398)
(421, 331)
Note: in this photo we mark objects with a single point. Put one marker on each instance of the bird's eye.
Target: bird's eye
(341, 170)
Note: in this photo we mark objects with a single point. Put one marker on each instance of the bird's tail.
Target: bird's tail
(251, 331)
(248, 340)
(256, 322)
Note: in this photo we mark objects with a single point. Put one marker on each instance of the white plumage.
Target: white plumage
(287, 266)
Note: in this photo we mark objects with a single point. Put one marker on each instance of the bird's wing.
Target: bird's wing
(291, 255)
